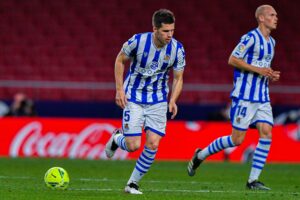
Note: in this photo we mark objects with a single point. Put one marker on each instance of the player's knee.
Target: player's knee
(266, 135)
(133, 146)
(237, 140)
(152, 145)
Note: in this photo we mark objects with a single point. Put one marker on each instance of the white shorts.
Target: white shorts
(150, 116)
(245, 113)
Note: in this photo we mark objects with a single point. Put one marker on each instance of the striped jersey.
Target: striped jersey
(255, 50)
(147, 79)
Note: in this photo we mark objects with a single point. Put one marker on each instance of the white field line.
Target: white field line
(186, 191)
(154, 190)
(111, 180)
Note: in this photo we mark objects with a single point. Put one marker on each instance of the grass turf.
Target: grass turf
(22, 178)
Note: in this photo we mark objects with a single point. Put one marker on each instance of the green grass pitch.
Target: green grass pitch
(22, 178)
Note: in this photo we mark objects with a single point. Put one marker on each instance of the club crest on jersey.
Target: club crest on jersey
(126, 127)
(145, 54)
(167, 58)
(238, 120)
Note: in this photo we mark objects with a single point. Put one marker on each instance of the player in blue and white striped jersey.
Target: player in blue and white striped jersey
(144, 93)
(251, 60)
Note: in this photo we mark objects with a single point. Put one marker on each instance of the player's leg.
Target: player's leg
(155, 124)
(219, 144)
(144, 162)
(129, 138)
(264, 122)
(240, 115)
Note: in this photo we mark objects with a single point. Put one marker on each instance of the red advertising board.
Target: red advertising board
(86, 138)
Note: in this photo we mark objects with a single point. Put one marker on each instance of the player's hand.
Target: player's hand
(268, 72)
(275, 76)
(120, 99)
(173, 109)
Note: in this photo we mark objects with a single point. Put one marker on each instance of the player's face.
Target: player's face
(164, 34)
(270, 18)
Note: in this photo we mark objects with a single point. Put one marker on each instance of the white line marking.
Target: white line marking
(154, 190)
(185, 191)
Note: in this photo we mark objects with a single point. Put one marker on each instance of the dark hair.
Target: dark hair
(162, 16)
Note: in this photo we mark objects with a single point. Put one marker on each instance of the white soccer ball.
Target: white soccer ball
(57, 178)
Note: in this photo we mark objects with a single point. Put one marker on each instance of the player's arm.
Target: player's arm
(241, 64)
(119, 72)
(176, 90)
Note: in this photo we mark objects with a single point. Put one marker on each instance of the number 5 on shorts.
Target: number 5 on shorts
(126, 115)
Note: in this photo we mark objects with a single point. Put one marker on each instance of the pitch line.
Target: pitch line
(153, 190)
(110, 180)
(186, 191)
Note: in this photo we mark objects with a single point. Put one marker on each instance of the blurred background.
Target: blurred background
(60, 54)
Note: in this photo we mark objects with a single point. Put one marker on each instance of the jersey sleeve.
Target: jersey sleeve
(179, 63)
(130, 46)
(242, 48)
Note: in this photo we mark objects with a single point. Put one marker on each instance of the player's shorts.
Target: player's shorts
(152, 117)
(245, 113)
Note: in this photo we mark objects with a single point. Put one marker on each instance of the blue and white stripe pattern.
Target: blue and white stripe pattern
(145, 160)
(121, 142)
(261, 153)
(143, 164)
(216, 146)
(147, 79)
(255, 50)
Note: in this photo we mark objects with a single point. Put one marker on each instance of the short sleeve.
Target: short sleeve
(129, 46)
(242, 48)
(180, 59)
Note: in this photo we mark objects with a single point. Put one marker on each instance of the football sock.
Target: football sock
(121, 142)
(259, 158)
(142, 165)
(216, 146)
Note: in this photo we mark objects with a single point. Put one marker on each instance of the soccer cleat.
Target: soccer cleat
(256, 185)
(132, 188)
(194, 163)
(111, 146)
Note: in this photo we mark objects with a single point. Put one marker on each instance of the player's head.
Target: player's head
(163, 22)
(266, 16)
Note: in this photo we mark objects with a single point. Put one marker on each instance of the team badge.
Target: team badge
(126, 127)
(238, 120)
(167, 57)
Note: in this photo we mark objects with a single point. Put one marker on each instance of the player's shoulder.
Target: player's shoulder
(138, 36)
(272, 40)
(143, 36)
(176, 43)
(250, 34)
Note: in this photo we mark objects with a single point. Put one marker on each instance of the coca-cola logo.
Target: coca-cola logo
(88, 143)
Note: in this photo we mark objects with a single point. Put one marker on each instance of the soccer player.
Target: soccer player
(251, 60)
(143, 95)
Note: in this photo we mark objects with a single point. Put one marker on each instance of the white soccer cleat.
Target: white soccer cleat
(111, 146)
(132, 188)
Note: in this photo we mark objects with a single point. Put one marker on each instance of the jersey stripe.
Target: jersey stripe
(255, 50)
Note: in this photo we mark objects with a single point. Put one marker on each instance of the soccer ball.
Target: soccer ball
(57, 178)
